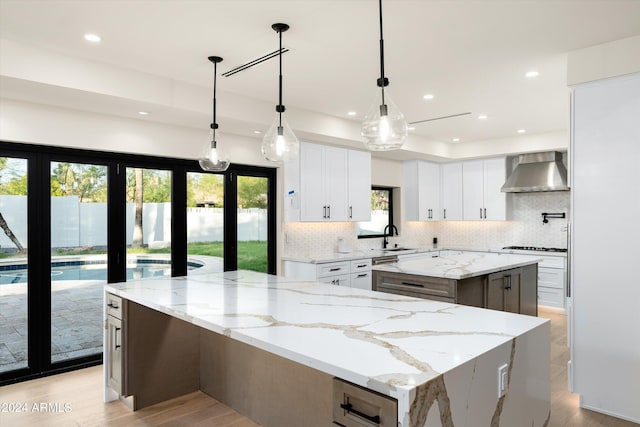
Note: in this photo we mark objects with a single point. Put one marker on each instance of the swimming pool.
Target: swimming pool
(92, 270)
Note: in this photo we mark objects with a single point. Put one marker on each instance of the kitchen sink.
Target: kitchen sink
(398, 249)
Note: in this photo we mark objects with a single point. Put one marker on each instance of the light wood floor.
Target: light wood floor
(82, 391)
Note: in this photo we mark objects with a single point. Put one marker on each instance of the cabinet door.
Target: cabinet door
(451, 190)
(335, 179)
(494, 199)
(512, 291)
(429, 194)
(312, 202)
(495, 291)
(115, 355)
(359, 183)
(473, 190)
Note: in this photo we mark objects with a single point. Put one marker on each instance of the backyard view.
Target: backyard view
(79, 204)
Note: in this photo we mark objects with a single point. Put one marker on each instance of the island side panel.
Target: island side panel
(467, 396)
(163, 356)
(267, 388)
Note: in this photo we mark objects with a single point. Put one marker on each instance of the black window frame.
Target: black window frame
(39, 234)
(391, 225)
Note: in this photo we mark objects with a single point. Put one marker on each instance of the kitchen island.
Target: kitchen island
(287, 352)
(488, 280)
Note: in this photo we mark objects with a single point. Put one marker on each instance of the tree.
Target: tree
(252, 192)
(16, 185)
(138, 234)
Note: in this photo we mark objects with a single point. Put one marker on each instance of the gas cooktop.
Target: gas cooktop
(535, 248)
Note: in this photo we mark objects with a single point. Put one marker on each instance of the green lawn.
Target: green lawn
(252, 255)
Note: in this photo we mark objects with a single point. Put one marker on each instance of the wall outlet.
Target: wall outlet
(503, 379)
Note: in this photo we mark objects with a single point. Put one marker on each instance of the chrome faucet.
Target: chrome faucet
(388, 231)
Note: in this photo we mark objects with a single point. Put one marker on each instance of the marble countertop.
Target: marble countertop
(320, 258)
(388, 343)
(459, 266)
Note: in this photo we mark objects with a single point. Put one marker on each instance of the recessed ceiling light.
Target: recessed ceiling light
(411, 128)
(93, 38)
(428, 96)
(482, 117)
(143, 113)
(521, 130)
(351, 113)
(257, 132)
(531, 74)
(456, 140)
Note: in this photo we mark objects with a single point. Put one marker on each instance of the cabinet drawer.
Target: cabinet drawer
(355, 406)
(550, 297)
(361, 265)
(114, 306)
(332, 269)
(416, 285)
(552, 262)
(341, 280)
(551, 278)
(361, 280)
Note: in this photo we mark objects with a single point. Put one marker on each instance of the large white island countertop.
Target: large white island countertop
(459, 266)
(392, 344)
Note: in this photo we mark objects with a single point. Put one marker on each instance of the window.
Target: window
(381, 214)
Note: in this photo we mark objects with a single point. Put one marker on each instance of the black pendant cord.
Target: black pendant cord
(382, 81)
(214, 125)
(280, 108)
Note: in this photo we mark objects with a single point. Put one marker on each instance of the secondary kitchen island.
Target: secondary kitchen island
(286, 352)
(481, 279)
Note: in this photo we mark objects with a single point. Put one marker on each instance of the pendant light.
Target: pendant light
(384, 127)
(280, 143)
(212, 158)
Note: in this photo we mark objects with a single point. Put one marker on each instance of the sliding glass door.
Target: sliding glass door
(78, 258)
(13, 264)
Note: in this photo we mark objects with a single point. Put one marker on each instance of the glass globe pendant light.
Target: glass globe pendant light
(212, 158)
(280, 143)
(384, 127)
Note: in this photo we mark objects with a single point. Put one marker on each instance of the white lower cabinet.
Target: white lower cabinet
(551, 282)
(353, 273)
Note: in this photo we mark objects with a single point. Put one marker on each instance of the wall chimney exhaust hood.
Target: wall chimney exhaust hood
(538, 172)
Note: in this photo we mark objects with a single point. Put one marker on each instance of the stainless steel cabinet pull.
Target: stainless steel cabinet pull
(485, 213)
(362, 275)
(324, 212)
(335, 269)
(112, 305)
(480, 213)
(329, 211)
(350, 211)
(362, 265)
(508, 285)
(444, 214)
(349, 408)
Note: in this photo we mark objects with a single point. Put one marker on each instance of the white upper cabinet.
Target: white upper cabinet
(421, 191)
(481, 183)
(318, 184)
(359, 185)
(451, 174)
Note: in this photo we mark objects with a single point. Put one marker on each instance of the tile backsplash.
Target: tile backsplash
(525, 228)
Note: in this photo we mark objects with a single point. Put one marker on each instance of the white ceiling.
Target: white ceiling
(471, 54)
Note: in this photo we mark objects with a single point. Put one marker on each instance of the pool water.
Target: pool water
(10, 274)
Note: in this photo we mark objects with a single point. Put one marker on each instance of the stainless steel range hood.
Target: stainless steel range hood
(538, 172)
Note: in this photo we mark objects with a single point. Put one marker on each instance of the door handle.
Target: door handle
(485, 213)
(115, 339)
(324, 212)
(444, 214)
(350, 211)
(329, 211)
(480, 213)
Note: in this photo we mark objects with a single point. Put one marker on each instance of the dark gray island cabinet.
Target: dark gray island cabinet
(485, 280)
